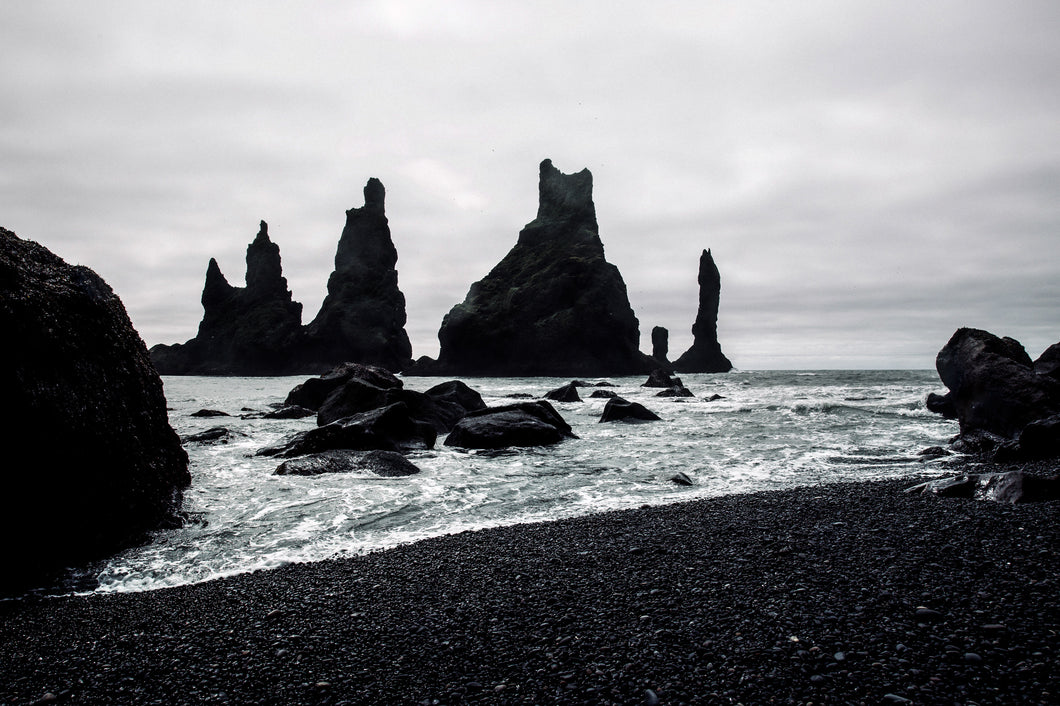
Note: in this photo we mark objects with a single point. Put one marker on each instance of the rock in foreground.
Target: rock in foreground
(91, 460)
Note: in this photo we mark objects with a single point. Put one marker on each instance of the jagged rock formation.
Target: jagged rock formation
(363, 315)
(553, 305)
(705, 355)
(91, 462)
(250, 330)
(257, 330)
(1003, 401)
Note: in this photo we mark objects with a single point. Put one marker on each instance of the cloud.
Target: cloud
(869, 176)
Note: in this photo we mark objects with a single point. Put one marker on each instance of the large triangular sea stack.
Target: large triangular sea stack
(705, 355)
(553, 305)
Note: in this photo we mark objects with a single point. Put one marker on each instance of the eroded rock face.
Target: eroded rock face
(93, 462)
(705, 355)
(552, 306)
(252, 330)
(362, 318)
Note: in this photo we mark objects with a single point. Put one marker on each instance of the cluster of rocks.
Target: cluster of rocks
(1008, 410)
(93, 462)
(552, 306)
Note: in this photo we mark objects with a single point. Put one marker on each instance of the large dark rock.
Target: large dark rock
(252, 330)
(567, 393)
(1048, 362)
(521, 424)
(553, 306)
(660, 346)
(389, 464)
(390, 428)
(662, 378)
(353, 397)
(993, 386)
(312, 393)
(705, 355)
(91, 460)
(362, 318)
(620, 409)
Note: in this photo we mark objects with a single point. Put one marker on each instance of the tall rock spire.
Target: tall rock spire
(553, 305)
(705, 355)
(362, 318)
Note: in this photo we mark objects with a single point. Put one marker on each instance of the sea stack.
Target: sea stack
(705, 355)
(362, 319)
(91, 462)
(250, 330)
(553, 305)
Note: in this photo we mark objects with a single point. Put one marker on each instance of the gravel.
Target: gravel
(852, 593)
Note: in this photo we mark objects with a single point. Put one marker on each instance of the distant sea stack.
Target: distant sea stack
(250, 330)
(553, 305)
(91, 463)
(257, 330)
(705, 355)
(362, 319)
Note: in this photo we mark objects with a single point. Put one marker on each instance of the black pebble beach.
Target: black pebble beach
(843, 594)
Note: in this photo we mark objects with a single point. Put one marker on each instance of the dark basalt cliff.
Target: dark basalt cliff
(256, 330)
(705, 355)
(250, 330)
(90, 460)
(363, 316)
(553, 305)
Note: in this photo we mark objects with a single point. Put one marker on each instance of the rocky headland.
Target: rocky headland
(552, 306)
(257, 329)
(705, 356)
(91, 462)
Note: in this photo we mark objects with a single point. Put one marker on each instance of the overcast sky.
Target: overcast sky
(868, 175)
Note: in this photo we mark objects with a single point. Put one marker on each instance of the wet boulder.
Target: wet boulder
(353, 397)
(312, 393)
(621, 409)
(388, 464)
(675, 391)
(520, 424)
(567, 393)
(291, 411)
(1011, 487)
(662, 378)
(390, 428)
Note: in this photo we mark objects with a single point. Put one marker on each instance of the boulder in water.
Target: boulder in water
(621, 409)
(389, 464)
(520, 424)
(567, 393)
(390, 428)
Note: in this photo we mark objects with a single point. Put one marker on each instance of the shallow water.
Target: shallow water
(771, 430)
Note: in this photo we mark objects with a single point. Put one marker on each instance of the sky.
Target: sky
(869, 176)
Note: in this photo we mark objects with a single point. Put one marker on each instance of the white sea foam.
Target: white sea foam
(770, 430)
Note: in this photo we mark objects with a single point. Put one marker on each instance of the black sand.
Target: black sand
(853, 593)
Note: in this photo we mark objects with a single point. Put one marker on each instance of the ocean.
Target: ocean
(770, 430)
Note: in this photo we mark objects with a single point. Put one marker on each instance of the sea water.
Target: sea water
(769, 430)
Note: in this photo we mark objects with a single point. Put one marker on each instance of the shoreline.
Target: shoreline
(845, 593)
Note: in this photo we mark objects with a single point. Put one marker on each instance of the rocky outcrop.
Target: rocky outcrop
(389, 428)
(552, 306)
(252, 330)
(567, 393)
(91, 460)
(662, 378)
(993, 384)
(257, 329)
(705, 355)
(1008, 487)
(362, 318)
(520, 424)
